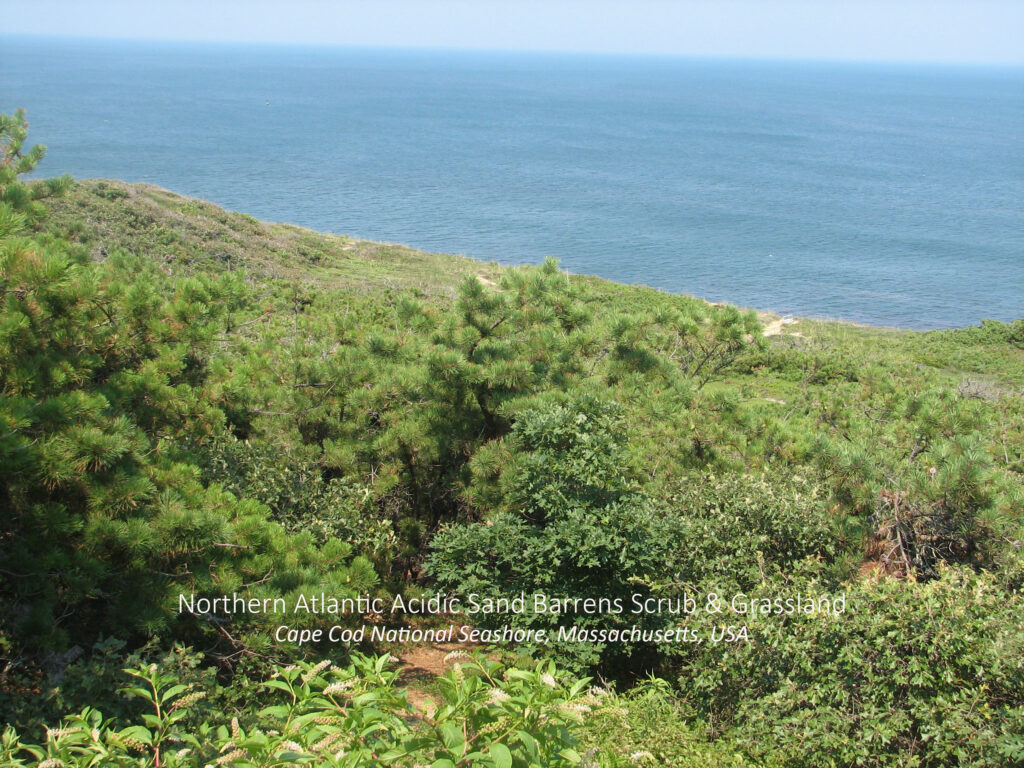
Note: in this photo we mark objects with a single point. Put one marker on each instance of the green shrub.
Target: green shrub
(924, 674)
(104, 376)
(572, 525)
(93, 680)
(294, 489)
(650, 726)
(740, 529)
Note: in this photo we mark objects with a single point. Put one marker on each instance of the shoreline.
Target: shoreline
(168, 207)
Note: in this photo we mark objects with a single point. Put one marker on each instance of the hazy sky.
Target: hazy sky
(918, 30)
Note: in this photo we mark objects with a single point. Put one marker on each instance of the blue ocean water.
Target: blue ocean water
(882, 194)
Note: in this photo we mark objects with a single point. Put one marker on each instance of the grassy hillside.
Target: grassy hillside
(187, 234)
(198, 402)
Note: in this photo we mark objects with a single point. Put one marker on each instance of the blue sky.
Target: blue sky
(979, 31)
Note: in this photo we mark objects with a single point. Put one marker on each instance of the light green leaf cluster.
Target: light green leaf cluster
(488, 716)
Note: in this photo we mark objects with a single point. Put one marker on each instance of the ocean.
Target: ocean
(876, 193)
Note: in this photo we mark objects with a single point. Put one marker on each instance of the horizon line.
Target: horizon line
(752, 58)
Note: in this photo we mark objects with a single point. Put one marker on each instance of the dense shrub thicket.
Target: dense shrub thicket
(175, 419)
(104, 374)
(911, 673)
(568, 524)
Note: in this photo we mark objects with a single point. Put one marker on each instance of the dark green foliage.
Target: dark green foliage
(95, 679)
(105, 373)
(293, 487)
(99, 379)
(568, 523)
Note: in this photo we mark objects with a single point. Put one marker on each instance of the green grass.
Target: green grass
(187, 234)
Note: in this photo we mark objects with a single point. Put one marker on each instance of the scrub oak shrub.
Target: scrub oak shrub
(744, 528)
(926, 674)
(293, 487)
(572, 525)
